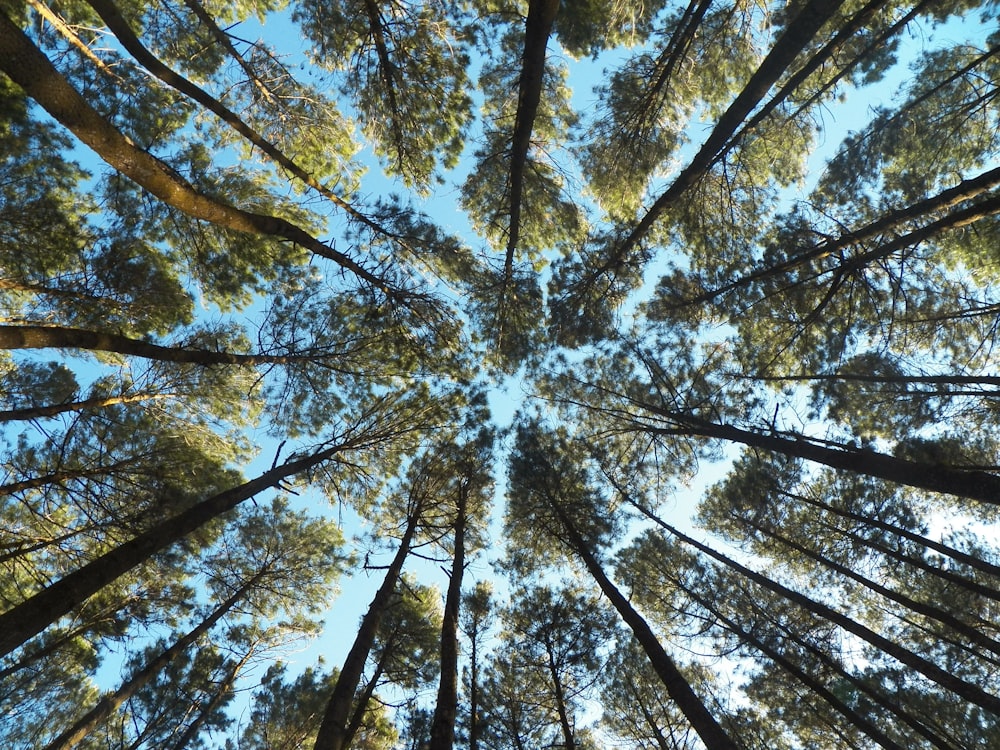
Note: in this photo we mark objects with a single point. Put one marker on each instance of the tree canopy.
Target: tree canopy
(634, 360)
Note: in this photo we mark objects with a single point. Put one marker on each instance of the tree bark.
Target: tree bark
(58, 337)
(30, 617)
(118, 26)
(220, 694)
(446, 707)
(967, 690)
(965, 190)
(677, 686)
(557, 689)
(794, 39)
(922, 608)
(537, 30)
(28, 67)
(54, 410)
(333, 730)
(973, 484)
(808, 680)
(357, 718)
(110, 703)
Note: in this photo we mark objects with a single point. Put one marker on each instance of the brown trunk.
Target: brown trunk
(971, 484)
(220, 694)
(41, 412)
(537, 30)
(120, 28)
(796, 37)
(222, 38)
(859, 722)
(927, 610)
(110, 703)
(446, 707)
(677, 686)
(57, 337)
(377, 27)
(963, 191)
(333, 731)
(30, 617)
(967, 690)
(28, 67)
(357, 718)
(957, 555)
(561, 712)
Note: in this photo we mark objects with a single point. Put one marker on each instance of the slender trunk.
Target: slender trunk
(66, 475)
(918, 563)
(118, 26)
(57, 337)
(13, 553)
(654, 727)
(844, 34)
(53, 645)
(30, 617)
(796, 36)
(446, 708)
(684, 34)
(967, 690)
(973, 484)
(41, 412)
(857, 377)
(561, 712)
(889, 704)
(963, 557)
(474, 692)
(111, 702)
(333, 730)
(28, 67)
(807, 679)
(361, 705)
(214, 702)
(927, 610)
(376, 26)
(677, 686)
(963, 191)
(222, 38)
(537, 30)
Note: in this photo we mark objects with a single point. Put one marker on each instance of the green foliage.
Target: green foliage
(694, 288)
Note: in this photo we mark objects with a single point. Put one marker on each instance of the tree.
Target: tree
(259, 258)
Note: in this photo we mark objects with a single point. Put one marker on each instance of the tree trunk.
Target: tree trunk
(357, 718)
(922, 608)
(57, 337)
(119, 27)
(537, 30)
(30, 617)
(793, 40)
(858, 721)
(973, 484)
(938, 572)
(446, 708)
(41, 412)
(677, 686)
(110, 703)
(557, 689)
(28, 67)
(333, 730)
(220, 694)
(967, 690)
(963, 557)
(473, 692)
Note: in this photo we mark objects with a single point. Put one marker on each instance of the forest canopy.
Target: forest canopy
(633, 360)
